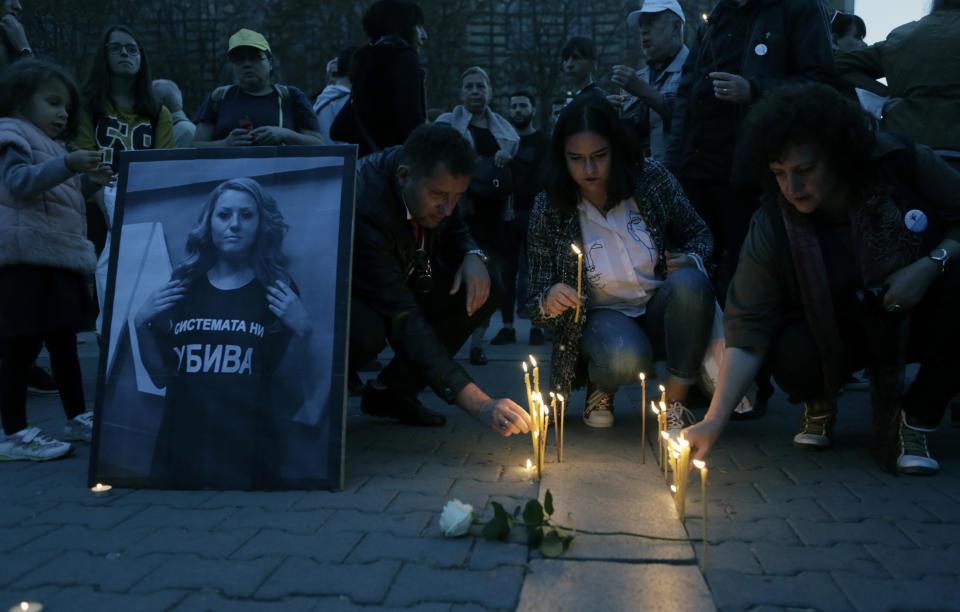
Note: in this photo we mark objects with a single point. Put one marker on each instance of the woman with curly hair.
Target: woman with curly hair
(644, 247)
(213, 336)
(846, 264)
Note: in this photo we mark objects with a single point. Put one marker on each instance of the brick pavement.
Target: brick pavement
(788, 529)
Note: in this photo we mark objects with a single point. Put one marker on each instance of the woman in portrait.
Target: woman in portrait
(213, 337)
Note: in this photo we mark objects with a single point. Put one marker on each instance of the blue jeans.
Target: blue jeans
(676, 326)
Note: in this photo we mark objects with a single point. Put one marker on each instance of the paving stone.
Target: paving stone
(407, 502)
(435, 550)
(916, 563)
(207, 544)
(111, 572)
(737, 492)
(899, 489)
(938, 593)
(272, 500)
(792, 560)
(101, 517)
(235, 578)
(927, 535)
(294, 521)
(744, 512)
(84, 598)
(172, 499)
(468, 490)
(426, 486)
(774, 530)
(887, 510)
(366, 502)
(559, 585)
(737, 556)
(489, 555)
(734, 590)
(326, 545)
(814, 533)
(499, 588)
(14, 565)
(366, 584)
(815, 476)
(204, 602)
(162, 516)
(484, 472)
(409, 524)
(93, 541)
(779, 494)
(11, 514)
(18, 537)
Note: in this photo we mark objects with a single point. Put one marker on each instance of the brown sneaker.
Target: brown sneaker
(598, 410)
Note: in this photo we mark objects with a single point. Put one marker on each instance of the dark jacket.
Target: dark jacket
(383, 261)
(795, 39)
(387, 96)
(672, 222)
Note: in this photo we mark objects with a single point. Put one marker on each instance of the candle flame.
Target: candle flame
(699, 464)
(705, 18)
(24, 605)
(676, 455)
(653, 406)
(533, 361)
(559, 397)
(536, 434)
(683, 442)
(665, 434)
(529, 464)
(524, 364)
(673, 488)
(546, 410)
(576, 249)
(552, 394)
(663, 407)
(643, 376)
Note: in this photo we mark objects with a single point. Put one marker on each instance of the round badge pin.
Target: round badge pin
(760, 49)
(915, 220)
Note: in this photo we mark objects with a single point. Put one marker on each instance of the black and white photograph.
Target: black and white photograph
(225, 320)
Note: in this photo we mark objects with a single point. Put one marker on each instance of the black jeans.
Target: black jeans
(446, 314)
(16, 358)
(933, 335)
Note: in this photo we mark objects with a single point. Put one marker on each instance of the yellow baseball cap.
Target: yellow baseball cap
(248, 38)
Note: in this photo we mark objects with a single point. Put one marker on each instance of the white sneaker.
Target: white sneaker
(32, 444)
(79, 427)
(915, 457)
(598, 410)
(678, 417)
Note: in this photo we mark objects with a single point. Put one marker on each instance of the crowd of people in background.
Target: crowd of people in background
(759, 187)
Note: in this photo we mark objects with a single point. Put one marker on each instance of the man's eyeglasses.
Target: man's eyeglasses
(129, 48)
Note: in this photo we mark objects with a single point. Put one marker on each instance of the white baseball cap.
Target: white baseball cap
(656, 6)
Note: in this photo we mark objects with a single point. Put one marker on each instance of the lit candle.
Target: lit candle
(556, 426)
(100, 489)
(544, 427)
(27, 606)
(683, 469)
(563, 411)
(536, 375)
(663, 395)
(526, 381)
(663, 458)
(702, 466)
(529, 464)
(656, 413)
(643, 431)
(579, 253)
(713, 53)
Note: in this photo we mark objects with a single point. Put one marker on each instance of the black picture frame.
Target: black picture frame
(296, 440)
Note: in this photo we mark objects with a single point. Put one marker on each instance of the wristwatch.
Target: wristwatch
(941, 257)
(483, 256)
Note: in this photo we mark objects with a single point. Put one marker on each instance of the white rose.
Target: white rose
(456, 518)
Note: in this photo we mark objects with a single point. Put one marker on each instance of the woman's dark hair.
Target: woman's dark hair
(96, 90)
(268, 261)
(21, 79)
(816, 115)
(579, 45)
(841, 23)
(590, 114)
(393, 18)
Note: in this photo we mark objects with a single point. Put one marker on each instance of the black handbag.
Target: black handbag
(490, 181)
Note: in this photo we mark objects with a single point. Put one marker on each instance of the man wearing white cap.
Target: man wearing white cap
(659, 29)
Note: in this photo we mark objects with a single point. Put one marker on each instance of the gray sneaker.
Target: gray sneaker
(598, 410)
(816, 426)
(33, 445)
(915, 456)
(678, 417)
(79, 428)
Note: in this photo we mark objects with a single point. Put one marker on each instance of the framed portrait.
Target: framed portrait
(223, 363)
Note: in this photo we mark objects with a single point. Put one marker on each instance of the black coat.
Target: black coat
(383, 261)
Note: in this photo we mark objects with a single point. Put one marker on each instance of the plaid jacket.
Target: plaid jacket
(673, 225)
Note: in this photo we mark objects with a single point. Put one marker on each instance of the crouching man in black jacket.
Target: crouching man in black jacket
(420, 282)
